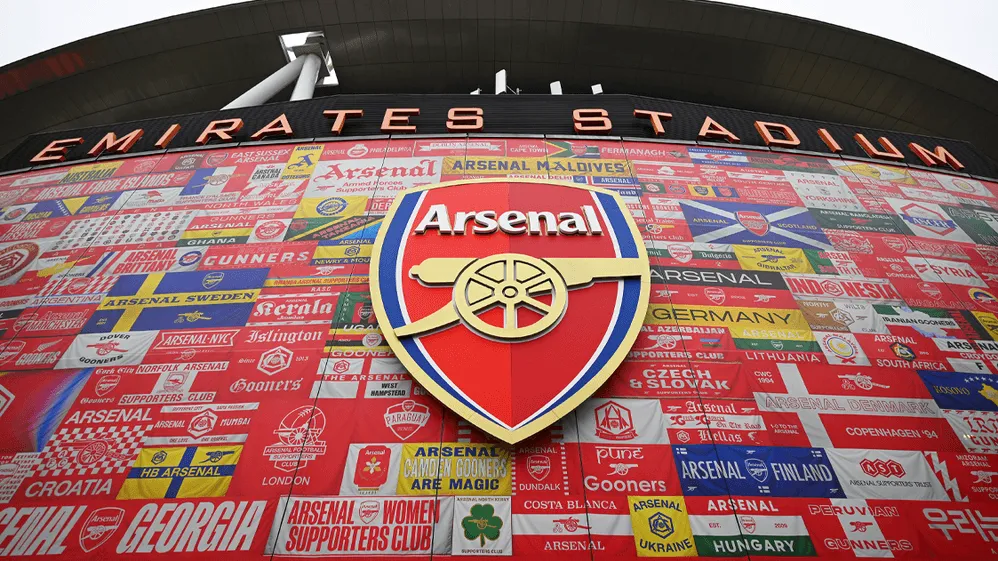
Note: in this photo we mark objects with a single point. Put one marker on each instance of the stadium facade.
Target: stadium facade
(760, 285)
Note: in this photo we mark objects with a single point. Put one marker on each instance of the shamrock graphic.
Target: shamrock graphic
(482, 523)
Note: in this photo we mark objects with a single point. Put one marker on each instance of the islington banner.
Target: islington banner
(194, 364)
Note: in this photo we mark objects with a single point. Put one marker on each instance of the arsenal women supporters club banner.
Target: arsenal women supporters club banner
(496, 347)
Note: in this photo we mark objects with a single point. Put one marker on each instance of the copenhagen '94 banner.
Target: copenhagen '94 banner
(497, 347)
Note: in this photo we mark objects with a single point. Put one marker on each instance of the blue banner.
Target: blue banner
(768, 471)
(967, 392)
(178, 301)
(742, 223)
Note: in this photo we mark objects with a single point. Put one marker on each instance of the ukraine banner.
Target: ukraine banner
(180, 473)
(661, 527)
(178, 301)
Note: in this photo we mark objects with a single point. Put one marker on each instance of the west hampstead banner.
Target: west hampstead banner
(499, 348)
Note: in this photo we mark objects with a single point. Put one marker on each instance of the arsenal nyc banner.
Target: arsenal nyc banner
(479, 285)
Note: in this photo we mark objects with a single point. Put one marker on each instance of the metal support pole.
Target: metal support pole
(269, 86)
(305, 86)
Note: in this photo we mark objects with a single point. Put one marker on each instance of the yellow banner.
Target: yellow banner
(332, 207)
(216, 234)
(302, 162)
(334, 254)
(183, 472)
(173, 299)
(455, 469)
(775, 259)
(661, 527)
(989, 321)
(555, 166)
(743, 323)
(91, 172)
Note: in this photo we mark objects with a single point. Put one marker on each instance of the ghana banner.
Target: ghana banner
(191, 363)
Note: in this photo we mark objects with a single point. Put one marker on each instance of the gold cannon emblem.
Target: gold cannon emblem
(510, 281)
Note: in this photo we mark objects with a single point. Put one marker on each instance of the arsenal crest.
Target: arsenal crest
(510, 300)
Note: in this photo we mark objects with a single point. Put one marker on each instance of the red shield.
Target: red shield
(371, 471)
(753, 222)
(715, 295)
(480, 285)
(99, 527)
(538, 466)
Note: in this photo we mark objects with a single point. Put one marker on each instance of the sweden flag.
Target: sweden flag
(183, 472)
(187, 300)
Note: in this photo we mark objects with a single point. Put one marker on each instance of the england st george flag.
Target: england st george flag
(178, 301)
(738, 223)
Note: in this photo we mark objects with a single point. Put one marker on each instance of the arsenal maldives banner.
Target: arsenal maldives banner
(201, 354)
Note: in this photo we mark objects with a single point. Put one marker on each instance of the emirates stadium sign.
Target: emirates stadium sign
(481, 286)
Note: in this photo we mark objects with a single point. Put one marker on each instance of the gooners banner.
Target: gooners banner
(480, 285)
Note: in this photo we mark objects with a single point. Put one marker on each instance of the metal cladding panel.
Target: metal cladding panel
(191, 365)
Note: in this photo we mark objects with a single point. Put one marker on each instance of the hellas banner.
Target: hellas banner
(313, 526)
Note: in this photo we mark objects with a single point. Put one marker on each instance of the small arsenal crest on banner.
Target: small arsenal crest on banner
(510, 300)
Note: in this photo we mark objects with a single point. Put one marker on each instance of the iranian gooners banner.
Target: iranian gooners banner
(361, 525)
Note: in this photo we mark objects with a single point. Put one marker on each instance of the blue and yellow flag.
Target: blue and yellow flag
(183, 472)
(178, 301)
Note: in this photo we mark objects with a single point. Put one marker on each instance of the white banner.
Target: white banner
(372, 469)
(625, 421)
(820, 190)
(885, 474)
(313, 526)
(93, 350)
(482, 526)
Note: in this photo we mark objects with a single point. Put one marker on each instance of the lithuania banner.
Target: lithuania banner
(455, 469)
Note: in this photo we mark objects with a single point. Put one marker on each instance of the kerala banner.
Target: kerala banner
(455, 469)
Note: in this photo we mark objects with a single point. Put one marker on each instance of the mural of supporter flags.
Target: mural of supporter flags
(191, 365)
